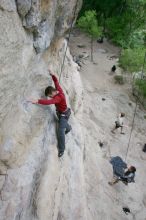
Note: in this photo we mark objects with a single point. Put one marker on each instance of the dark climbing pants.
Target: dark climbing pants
(63, 128)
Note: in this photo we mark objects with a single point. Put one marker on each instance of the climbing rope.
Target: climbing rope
(134, 112)
(62, 70)
(74, 14)
(131, 130)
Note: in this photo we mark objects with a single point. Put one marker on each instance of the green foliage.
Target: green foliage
(124, 22)
(106, 7)
(120, 34)
(132, 60)
(121, 19)
(89, 24)
(136, 39)
(117, 31)
(141, 84)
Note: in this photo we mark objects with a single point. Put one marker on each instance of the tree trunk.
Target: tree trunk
(104, 24)
(130, 22)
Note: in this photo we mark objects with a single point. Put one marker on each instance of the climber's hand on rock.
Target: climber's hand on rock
(33, 101)
(50, 72)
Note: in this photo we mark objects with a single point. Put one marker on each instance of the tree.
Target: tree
(104, 9)
(88, 23)
(123, 21)
(132, 60)
(120, 19)
(122, 27)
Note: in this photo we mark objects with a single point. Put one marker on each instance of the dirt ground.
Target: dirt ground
(103, 101)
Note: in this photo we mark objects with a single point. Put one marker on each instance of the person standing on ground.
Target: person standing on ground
(57, 98)
(119, 123)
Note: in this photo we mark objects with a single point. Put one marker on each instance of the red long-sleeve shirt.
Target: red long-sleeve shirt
(58, 100)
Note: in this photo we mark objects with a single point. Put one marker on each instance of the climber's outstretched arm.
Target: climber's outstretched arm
(55, 100)
(56, 82)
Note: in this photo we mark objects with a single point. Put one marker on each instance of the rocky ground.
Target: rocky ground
(103, 100)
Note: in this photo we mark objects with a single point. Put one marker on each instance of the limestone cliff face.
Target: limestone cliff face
(35, 184)
(47, 19)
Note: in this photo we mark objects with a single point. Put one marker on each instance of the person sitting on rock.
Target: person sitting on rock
(57, 98)
(120, 173)
(119, 123)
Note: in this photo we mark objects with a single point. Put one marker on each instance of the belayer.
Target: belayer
(121, 172)
(57, 98)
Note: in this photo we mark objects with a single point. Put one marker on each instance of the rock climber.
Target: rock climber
(120, 171)
(119, 123)
(57, 98)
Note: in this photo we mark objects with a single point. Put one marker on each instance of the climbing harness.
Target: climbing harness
(71, 28)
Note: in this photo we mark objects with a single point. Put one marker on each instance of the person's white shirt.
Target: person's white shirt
(120, 120)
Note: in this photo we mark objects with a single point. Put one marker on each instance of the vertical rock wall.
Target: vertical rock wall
(47, 19)
(35, 184)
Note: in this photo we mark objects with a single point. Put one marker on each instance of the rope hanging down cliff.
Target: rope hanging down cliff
(70, 31)
(134, 115)
(135, 111)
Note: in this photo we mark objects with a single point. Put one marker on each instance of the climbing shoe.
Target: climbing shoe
(126, 183)
(60, 153)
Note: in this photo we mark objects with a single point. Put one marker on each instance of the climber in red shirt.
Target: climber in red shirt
(57, 98)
